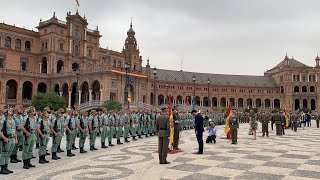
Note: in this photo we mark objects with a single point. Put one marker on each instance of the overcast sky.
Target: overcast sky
(216, 36)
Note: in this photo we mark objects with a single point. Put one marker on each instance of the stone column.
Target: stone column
(40, 67)
(69, 102)
(90, 94)
(60, 93)
(79, 101)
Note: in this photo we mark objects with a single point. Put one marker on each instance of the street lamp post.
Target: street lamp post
(194, 93)
(126, 101)
(154, 85)
(7, 95)
(167, 86)
(77, 91)
(209, 82)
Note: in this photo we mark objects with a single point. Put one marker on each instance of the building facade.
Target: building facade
(65, 57)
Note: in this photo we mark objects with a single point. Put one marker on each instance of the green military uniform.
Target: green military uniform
(317, 118)
(44, 126)
(75, 132)
(18, 120)
(57, 126)
(94, 121)
(149, 124)
(83, 122)
(234, 125)
(278, 118)
(140, 125)
(70, 122)
(105, 129)
(294, 122)
(9, 130)
(30, 125)
(119, 126)
(112, 119)
(264, 118)
(126, 128)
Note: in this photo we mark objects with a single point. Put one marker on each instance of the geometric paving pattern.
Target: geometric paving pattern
(296, 155)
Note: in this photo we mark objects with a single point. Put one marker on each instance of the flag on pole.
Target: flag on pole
(287, 119)
(78, 4)
(171, 122)
(226, 127)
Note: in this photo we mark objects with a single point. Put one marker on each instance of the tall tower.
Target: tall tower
(131, 50)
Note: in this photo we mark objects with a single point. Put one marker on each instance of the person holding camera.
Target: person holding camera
(212, 133)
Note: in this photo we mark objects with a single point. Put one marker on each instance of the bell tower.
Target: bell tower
(131, 50)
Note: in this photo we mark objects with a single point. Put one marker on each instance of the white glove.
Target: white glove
(117, 128)
(108, 128)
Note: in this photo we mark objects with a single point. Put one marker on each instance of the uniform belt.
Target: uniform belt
(163, 129)
(96, 127)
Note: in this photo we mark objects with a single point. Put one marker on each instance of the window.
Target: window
(8, 42)
(119, 64)
(114, 63)
(298, 77)
(1, 62)
(61, 46)
(76, 49)
(24, 63)
(76, 34)
(304, 78)
(134, 67)
(27, 46)
(18, 44)
(90, 53)
(281, 78)
(310, 78)
(294, 77)
(314, 78)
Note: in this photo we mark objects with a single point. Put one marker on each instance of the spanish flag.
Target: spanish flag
(78, 4)
(226, 127)
(287, 119)
(171, 122)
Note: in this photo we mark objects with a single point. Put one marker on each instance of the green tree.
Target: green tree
(112, 105)
(52, 100)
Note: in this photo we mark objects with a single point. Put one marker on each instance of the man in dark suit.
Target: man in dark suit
(198, 119)
(163, 132)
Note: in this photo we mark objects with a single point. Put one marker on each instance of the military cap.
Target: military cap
(164, 108)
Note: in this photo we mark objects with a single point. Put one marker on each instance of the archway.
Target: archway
(312, 89)
(151, 98)
(44, 65)
(249, 102)
(197, 99)
(296, 104)
(296, 89)
(240, 103)
(73, 95)
(215, 102)
(304, 89)
(206, 101)
(27, 90)
(143, 99)
(232, 102)
(84, 92)
(75, 66)
(65, 93)
(11, 89)
(95, 86)
(131, 92)
(313, 104)
(258, 103)
(188, 100)
(57, 89)
(277, 103)
(179, 99)
(267, 103)
(305, 103)
(160, 99)
(42, 87)
(223, 102)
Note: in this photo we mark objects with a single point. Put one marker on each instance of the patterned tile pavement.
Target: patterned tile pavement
(295, 155)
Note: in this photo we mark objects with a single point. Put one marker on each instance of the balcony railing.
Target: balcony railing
(26, 101)
(12, 101)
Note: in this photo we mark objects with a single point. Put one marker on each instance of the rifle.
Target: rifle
(42, 131)
(27, 128)
(5, 134)
(69, 125)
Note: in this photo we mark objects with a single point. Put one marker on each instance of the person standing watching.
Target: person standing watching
(198, 120)
(163, 132)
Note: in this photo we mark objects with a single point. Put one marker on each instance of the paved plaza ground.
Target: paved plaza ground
(294, 156)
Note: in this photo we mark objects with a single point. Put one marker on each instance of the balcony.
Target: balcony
(26, 102)
(11, 101)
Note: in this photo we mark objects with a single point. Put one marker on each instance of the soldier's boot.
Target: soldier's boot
(29, 163)
(126, 140)
(37, 146)
(48, 154)
(140, 137)
(41, 160)
(44, 159)
(25, 164)
(3, 170)
(91, 148)
(94, 148)
(69, 154)
(103, 145)
(119, 142)
(59, 149)
(147, 135)
(8, 170)
(20, 148)
(82, 151)
(110, 144)
(134, 138)
(74, 147)
(13, 159)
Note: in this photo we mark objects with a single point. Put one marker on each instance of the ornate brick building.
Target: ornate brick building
(65, 57)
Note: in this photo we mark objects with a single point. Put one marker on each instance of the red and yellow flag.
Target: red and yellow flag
(78, 4)
(226, 127)
(171, 122)
(287, 119)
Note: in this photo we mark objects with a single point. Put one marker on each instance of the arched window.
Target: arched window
(90, 53)
(114, 63)
(312, 89)
(27, 46)
(296, 89)
(18, 44)
(304, 89)
(8, 42)
(119, 64)
(76, 49)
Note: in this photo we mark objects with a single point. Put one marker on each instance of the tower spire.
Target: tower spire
(131, 23)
